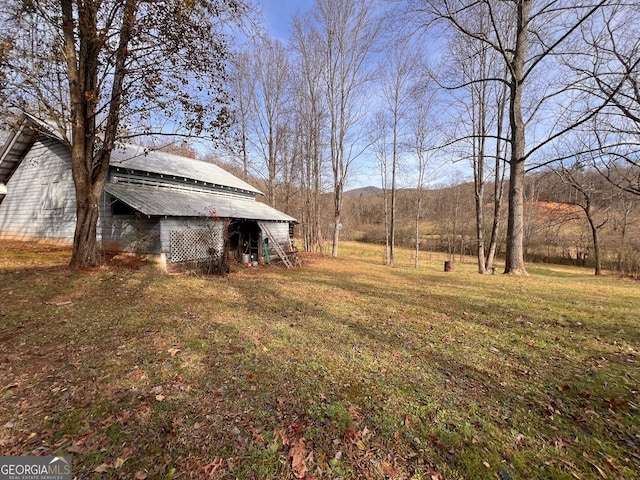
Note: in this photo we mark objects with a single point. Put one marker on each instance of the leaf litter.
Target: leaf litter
(385, 373)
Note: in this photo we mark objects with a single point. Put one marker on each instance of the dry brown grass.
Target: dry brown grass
(341, 369)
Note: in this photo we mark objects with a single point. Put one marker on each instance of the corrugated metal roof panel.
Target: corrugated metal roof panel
(138, 158)
(15, 149)
(131, 157)
(178, 203)
(126, 156)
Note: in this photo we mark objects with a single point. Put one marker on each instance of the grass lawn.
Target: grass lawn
(341, 369)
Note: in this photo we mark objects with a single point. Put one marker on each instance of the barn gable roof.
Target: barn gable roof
(126, 156)
(16, 147)
(133, 157)
(154, 201)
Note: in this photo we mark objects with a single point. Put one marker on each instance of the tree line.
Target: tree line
(583, 221)
(505, 88)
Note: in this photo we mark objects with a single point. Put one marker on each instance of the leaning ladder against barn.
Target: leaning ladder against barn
(276, 246)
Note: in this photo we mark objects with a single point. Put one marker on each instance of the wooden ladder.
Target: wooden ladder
(276, 246)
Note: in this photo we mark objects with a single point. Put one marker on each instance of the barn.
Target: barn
(173, 208)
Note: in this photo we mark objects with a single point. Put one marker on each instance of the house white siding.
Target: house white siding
(40, 199)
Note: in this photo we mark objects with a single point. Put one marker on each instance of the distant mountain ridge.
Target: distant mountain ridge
(370, 190)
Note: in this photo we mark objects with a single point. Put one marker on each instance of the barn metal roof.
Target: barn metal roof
(15, 149)
(154, 201)
(141, 159)
(126, 156)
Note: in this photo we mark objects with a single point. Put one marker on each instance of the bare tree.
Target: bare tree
(423, 132)
(499, 169)
(482, 107)
(290, 152)
(107, 70)
(590, 197)
(241, 89)
(527, 37)
(612, 74)
(309, 118)
(398, 73)
(380, 135)
(267, 72)
(347, 33)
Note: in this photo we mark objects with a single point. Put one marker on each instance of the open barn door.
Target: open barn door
(244, 240)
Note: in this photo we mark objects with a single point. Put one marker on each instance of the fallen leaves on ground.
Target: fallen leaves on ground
(297, 454)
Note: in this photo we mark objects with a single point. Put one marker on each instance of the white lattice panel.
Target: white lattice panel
(194, 245)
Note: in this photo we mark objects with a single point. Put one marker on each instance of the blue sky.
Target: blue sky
(278, 13)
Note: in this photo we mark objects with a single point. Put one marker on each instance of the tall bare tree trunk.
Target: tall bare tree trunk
(337, 214)
(387, 226)
(515, 226)
(82, 76)
(419, 190)
(595, 237)
(316, 191)
(90, 168)
(478, 175)
(85, 244)
(394, 193)
(498, 182)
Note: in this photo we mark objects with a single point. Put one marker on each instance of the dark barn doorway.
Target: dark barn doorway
(244, 239)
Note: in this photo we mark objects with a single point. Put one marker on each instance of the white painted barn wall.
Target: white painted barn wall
(279, 230)
(127, 233)
(40, 200)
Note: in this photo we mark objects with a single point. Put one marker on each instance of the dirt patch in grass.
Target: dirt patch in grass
(341, 369)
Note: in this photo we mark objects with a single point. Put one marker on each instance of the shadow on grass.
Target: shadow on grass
(412, 369)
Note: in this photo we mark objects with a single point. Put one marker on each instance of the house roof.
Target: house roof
(156, 201)
(138, 158)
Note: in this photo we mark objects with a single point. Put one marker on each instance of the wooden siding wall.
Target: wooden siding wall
(40, 201)
(128, 233)
(280, 231)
